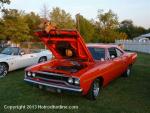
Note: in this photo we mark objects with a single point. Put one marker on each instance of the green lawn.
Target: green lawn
(123, 95)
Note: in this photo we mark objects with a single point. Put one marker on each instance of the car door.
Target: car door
(120, 54)
(116, 62)
(32, 58)
(24, 60)
(21, 61)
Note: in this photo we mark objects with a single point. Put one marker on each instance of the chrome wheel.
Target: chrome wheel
(3, 70)
(128, 72)
(96, 88)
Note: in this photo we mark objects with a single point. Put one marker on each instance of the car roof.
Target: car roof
(101, 45)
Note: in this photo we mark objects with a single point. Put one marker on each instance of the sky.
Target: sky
(136, 10)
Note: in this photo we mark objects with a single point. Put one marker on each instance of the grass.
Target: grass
(123, 95)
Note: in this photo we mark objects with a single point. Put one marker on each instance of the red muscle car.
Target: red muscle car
(77, 67)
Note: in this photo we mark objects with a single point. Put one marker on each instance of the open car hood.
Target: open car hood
(60, 41)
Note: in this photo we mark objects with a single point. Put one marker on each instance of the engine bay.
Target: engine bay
(63, 65)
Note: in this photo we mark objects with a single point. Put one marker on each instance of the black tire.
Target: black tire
(127, 73)
(94, 90)
(3, 70)
(42, 59)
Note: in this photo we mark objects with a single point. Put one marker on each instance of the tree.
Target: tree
(127, 27)
(2, 2)
(130, 29)
(33, 20)
(14, 25)
(87, 29)
(61, 18)
(148, 30)
(107, 25)
(108, 20)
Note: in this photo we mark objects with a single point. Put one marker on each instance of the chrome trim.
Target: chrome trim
(54, 86)
(66, 83)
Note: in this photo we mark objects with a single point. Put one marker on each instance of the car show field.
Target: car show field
(74, 56)
(123, 95)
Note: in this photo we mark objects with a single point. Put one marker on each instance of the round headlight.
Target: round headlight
(77, 81)
(28, 73)
(70, 80)
(33, 74)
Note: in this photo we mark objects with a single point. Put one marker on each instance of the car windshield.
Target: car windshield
(97, 53)
(10, 51)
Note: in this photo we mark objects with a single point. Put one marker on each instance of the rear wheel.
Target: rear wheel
(94, 90)
(42, 59)
(3, 70)
(127, 73)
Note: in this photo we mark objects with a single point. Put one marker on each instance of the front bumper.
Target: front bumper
(54, 87)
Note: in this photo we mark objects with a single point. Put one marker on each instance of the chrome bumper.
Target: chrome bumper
(54, 86)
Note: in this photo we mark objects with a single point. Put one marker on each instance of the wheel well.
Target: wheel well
(44, 57)
(131, 65)
(101, 80)
(5, 64)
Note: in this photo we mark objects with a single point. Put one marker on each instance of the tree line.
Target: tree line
(19, 26)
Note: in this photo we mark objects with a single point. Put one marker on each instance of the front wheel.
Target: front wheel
(3, 70)
(94, 90)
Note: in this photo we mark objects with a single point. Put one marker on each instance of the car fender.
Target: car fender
(87, 80)
(7, 65)
(8, 61)
(45, 53)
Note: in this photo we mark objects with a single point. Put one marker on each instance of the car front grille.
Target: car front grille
(52, 76)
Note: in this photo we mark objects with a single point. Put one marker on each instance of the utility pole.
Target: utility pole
(78, 21)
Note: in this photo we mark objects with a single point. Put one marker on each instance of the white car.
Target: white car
(12, 58)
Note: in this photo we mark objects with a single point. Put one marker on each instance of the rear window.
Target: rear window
(97, 53)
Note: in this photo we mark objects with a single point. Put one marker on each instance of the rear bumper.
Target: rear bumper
(55, 87)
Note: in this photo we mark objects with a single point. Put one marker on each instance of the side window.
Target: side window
(15, 51)
(97, 53)
(112, 52)
(119, 53)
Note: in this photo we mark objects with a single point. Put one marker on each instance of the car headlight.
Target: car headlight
(33, 74)
(70, 80)
(29, 73)
(77, 81)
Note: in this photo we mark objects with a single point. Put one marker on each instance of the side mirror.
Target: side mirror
(22, 53)
(112, 56)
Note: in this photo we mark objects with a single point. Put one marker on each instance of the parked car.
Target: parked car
(12, 58)
(78, 68)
